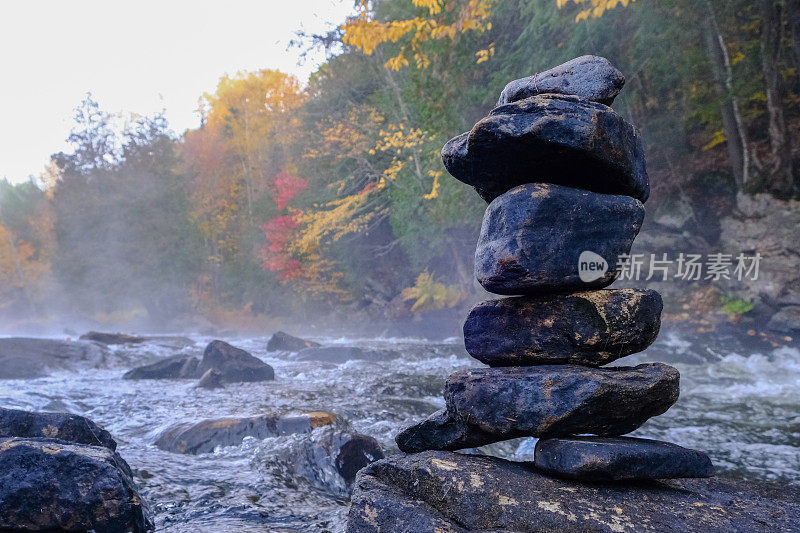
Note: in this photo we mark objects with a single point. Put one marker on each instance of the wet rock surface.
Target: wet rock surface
(620, 458)
(23, 358)
(281, 341)
(206, 435)
(235, 364)
(61, 426)
(586, 328)
(53, 485)
(443, 491)
(111, 338)
(533, 237)
(212, 379)
(589, 77)
(552, 139)
(175, 367)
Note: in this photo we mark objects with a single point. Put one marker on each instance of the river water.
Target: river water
(743, 409)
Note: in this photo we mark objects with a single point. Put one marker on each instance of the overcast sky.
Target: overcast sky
(134, 56)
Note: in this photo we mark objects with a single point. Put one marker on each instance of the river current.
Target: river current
(743, 409)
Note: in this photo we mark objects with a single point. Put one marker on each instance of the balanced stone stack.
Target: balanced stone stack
(565, 177)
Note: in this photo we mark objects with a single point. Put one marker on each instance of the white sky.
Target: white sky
(134, 56)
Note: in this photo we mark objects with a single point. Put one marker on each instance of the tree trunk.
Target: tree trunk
(793, 16)
(782, 183)
(735, 133)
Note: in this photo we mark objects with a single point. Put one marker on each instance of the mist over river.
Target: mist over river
(743, 409)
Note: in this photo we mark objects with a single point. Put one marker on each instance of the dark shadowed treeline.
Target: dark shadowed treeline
(332, 197)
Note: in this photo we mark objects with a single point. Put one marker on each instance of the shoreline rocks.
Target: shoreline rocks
(61, 426)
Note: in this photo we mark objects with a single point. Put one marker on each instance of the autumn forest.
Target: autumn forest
(330, 198)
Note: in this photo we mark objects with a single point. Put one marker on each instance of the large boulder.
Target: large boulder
(486, 405)
(584, 328)
(618, 458)
(25, 358)
(455, 493)
(111, 338)
(550, 138)
(235, 364)
(62, 426)
(175, 367)
(589, 77)
(206, 435)
(542, 238)
(281, 341)
(53, 485)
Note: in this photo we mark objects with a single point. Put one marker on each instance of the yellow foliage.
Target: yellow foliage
(718, 138)
(445, 19)
(430, 294)
(593, 8)
(435, 174)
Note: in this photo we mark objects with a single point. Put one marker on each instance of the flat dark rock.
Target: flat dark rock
(455, 493)
(61, 426)
(52, 485)
(589, 328)
(589, 77)
(112, 338)
(494, 404)
(553, 139)
(26, 358)
(235, 364)
(175, 367)
(206, 435)
(541, 238)
(619, 458)
(281, 341)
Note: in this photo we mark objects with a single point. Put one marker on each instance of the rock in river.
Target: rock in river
(619, 458)
(235, 364)
(554, 139)
(53, 485)
(584, 328)
(212, 379)
(204, 436)
(589, 77)
(281, 341)
(62, 426)
(175, 367)
(24, 358)
(536, 238)
(455, 493)
(111, 338)
(487, 405)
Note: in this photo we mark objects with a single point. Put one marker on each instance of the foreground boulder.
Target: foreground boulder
(235, 364)
(111, 338)
(61, 426)
(487, 405)
(535, 238)
(175, 367)
(329, 459)
(443, 491)
(53, 485)
(206, 435)
(619, 458)
(281, 341)
(26, 358)
(589, 77)
(583, 328)
(554, 139)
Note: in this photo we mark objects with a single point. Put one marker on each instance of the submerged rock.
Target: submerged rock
(111, 338)
(540, 238)
(584, 328)
(589, 77)
(61, 426)
(443, 491)
(26, 358)
(554, 139)
(175, 367)
(212, 379)
(235, 364)
(53, 485)
(619, 458)
(281, 341)
(494, 404)
(204, 436)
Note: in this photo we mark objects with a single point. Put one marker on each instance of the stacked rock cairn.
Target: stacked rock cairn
(565, 179)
